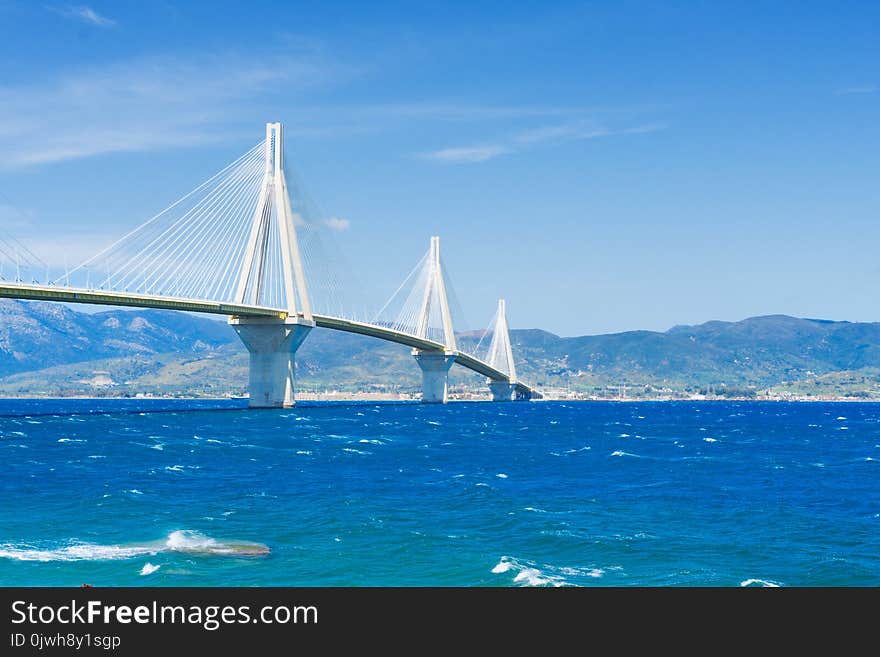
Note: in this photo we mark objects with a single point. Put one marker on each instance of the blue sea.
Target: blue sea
(208, 493)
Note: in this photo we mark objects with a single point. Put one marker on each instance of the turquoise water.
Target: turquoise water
(182, 493)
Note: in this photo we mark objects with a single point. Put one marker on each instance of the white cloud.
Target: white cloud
(562, 132)
(859, 89)
(583, 129)
(146, 104)
(337, 224)
(644, 129)
(86, 15)
(467, 154)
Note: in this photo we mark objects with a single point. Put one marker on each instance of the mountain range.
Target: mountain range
(52, 349)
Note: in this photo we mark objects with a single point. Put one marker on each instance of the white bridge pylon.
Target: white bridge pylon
(435, 365)
(272, 343)
(500, 356)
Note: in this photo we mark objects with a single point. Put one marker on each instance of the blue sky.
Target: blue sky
(604, 166)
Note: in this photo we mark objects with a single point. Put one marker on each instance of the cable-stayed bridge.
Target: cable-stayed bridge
(232, 246)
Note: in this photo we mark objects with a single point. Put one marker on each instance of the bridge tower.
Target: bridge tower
(435, 364)
(501, 357)
(272, 343)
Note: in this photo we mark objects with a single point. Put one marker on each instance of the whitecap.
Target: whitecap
(622, 453)
(840, 417)
(193, 542)
(624, 435)
(710, 440)
(432, 422)
(528, 574)
(160, 447)
(502, 566)
(174, 468)
(759, 582)
(501, 475)
(76, 552)
(149, 569)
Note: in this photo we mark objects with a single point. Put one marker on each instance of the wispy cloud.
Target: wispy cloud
(146, 104)
(559, 132)
(644, 129)
(85, 15)
(467, 154)
(859, 89)
(337, 224)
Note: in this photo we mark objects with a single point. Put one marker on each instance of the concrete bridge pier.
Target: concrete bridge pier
(502, 390)
(435, 369)
(272, 344)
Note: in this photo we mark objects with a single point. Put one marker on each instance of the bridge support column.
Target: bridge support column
(272, 344)
(525, 395)
(435, 368)
(502, 390)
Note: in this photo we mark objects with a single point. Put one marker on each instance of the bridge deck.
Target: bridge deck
(111, 298)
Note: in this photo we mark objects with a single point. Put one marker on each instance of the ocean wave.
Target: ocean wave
(182, 540)
(149, 569)
(527, 573)
(759, 582)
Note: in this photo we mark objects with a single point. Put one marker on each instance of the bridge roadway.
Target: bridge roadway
(37, 292)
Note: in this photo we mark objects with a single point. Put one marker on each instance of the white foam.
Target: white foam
(528, 574)
(149, 569)
(624, 435)
(710, 440)
(79, 552)
(840, 417)
(531, 577)
(174, 468)
(622, 453)
(502, 566)
(501, 475)
(159, 447)
(189, 542)
(759, 582)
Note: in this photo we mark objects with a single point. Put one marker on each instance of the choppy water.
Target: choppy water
(364, 494)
